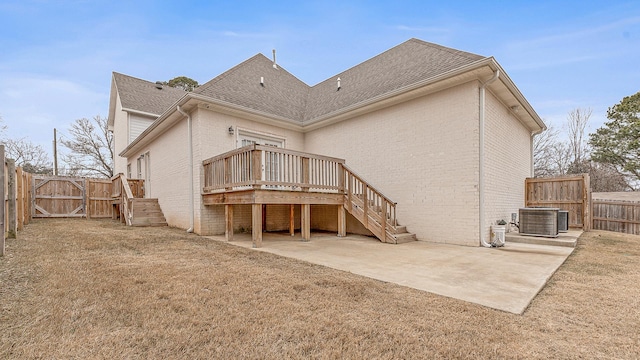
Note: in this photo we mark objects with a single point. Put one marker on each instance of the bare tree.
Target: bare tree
(542, 150)
(29, 156)
(551, 157)
(90, 146)
(577, 122)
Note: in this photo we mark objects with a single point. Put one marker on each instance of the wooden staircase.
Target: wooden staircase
(374, 210)
(147, 212)
(131, 207)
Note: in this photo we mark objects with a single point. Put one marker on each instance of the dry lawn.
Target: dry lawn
(95, 289)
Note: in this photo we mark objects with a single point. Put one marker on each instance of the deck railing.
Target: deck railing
(267, 167)
(368, 203)
(272, 168)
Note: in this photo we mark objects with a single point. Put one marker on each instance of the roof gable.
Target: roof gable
(281, 94)
(144, 96)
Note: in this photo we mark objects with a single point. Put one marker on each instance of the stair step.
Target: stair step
(404, 238)
(147, 212)
(401, 229)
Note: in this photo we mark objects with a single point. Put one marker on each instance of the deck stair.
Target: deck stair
(374, 210)
(147, 212)
(130, 205)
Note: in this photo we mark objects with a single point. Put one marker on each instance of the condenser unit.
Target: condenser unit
(539, 221)
(563, 221)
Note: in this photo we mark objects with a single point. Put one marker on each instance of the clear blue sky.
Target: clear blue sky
(56, 57)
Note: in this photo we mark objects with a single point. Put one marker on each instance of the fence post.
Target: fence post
(20, 197)
(586, 205)
(2, 196)
(11, 190)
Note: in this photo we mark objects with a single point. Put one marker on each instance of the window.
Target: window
(129, 171)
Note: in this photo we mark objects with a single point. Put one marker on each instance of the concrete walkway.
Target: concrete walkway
(505, 278)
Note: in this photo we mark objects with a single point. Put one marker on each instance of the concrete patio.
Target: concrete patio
(506, 278)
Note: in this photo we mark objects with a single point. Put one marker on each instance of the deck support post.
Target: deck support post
(228, 221)
(342, 221)
(256, 225)
(305, 214)
(292, 229)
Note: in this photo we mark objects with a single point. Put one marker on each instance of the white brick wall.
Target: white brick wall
(422, 154)
(507, 162)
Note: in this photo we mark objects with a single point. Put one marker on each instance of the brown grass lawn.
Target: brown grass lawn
(96, 289)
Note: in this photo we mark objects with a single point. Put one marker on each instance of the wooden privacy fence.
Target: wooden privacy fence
(59, 196)
(567, 193)
(16, 195)
(618, 215)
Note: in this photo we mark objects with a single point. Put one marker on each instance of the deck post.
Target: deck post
(257, 168)
(342, 221)
(341, 178)
(292, 228)
(228, 221)
(256, 225)
(305, 214)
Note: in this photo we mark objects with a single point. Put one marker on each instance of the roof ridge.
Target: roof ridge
(450, 50)
(453, 51)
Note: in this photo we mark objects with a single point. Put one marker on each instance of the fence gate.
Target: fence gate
(58, 197)
(567, 193)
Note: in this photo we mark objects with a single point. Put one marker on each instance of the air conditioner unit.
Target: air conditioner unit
(539, 221)
(563, 220)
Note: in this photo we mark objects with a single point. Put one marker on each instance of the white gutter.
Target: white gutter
(190, 151)
(481, 155)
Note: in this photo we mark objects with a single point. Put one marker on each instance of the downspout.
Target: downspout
(190, 151)
(533, 135)
(481, 219)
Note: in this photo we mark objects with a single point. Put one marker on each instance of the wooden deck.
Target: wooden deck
(261, 175)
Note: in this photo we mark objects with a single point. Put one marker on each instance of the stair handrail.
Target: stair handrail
(349, 170)
(127, 199)
(391, 222)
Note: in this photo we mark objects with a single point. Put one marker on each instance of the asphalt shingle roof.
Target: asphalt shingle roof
(142, 95)
(400, 66)
(285, 96)
(282, 94)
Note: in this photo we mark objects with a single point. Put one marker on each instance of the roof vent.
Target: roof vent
(262, 81)
(159, 85)
(275, 65)
(339, 87)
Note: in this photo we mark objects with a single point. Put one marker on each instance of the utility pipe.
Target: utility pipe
(481, 218)
(533, 135)
(190, 151)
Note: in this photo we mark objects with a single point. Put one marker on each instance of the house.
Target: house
(444, 134)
